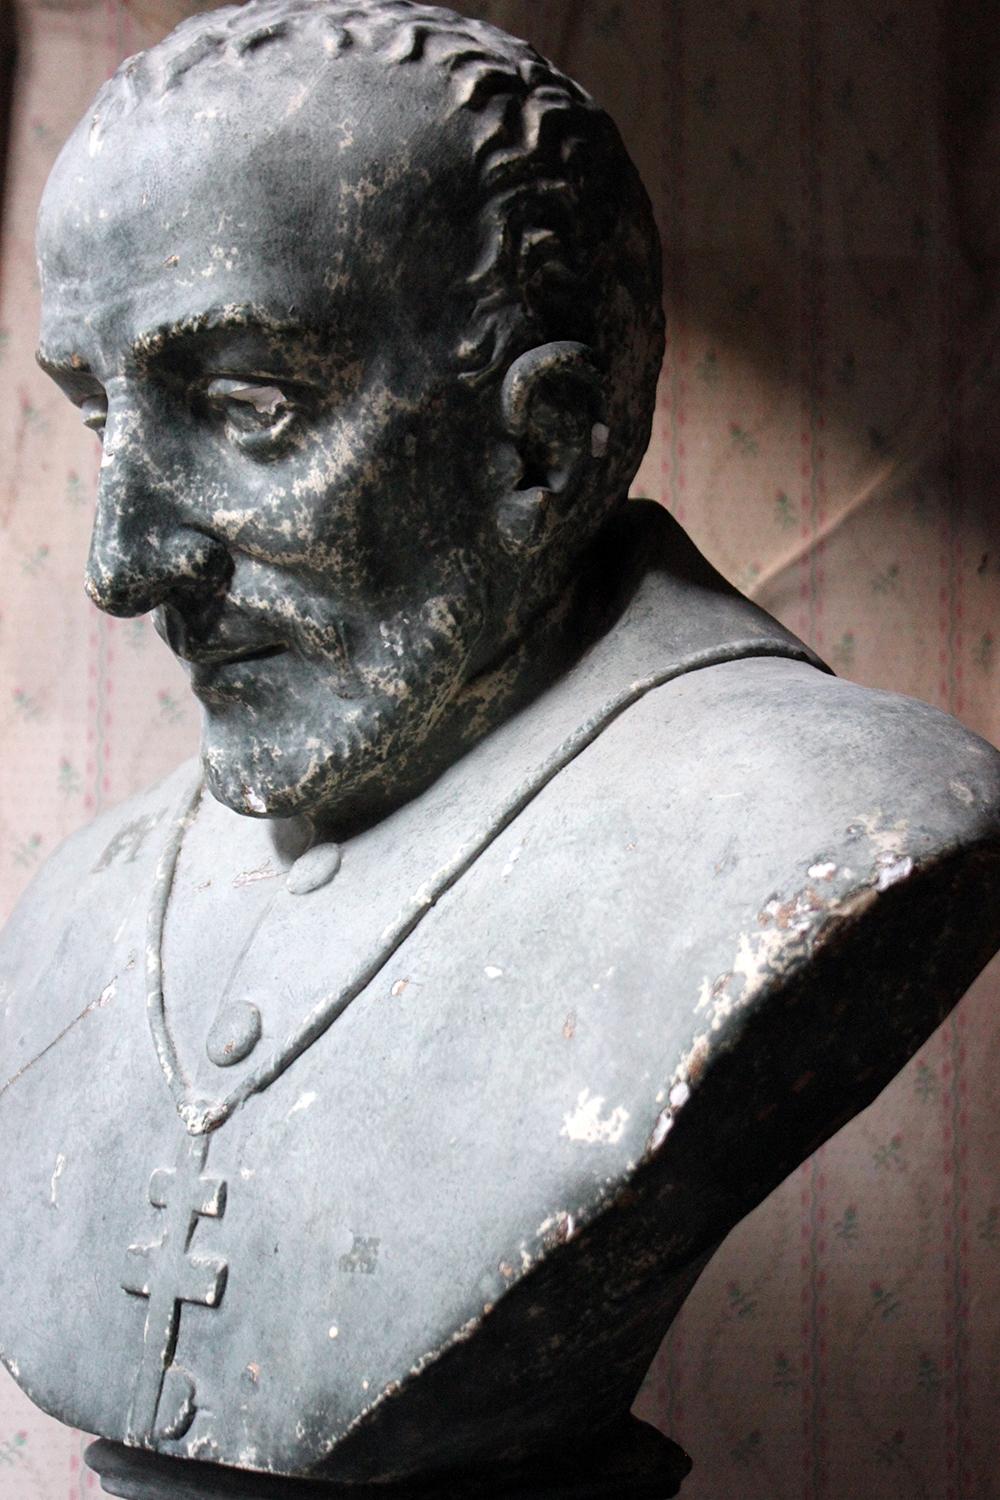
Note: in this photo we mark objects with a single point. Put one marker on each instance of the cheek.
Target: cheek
(366, 498)
(313, 510)
(374, 496)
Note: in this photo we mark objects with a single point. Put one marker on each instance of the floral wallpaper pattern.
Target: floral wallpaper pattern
(822, 174)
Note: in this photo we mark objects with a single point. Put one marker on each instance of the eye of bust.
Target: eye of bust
(258, 414)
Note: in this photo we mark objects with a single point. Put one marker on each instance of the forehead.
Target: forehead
(309, 191)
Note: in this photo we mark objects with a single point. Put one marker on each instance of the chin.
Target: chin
(294, 746)
(352, 766)
(281, 778)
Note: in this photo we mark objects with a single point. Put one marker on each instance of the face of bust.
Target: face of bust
(255, 294)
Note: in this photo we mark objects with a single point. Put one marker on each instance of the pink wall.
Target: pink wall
(826, 430)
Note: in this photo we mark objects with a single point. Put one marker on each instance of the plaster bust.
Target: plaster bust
(537, 902)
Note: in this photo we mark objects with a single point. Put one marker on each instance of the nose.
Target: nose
(147, 548)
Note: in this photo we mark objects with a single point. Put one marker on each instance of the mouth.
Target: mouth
(225, 656)
(231, 645)
(210, 668)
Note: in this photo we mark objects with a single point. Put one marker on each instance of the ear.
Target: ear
(554, 412)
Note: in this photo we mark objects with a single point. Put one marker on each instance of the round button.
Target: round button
(234, 1034)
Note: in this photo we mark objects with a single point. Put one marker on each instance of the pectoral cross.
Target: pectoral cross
(168, 1274)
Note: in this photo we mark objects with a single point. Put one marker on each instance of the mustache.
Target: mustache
(260, 616)
(249, 629)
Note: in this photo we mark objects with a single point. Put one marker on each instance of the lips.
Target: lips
(219, 674)
(227, 677)
(231, 640)
(223, 656)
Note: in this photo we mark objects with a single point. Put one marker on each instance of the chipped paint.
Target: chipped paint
(791, 927)
(54, 1184)
(892, 868)
(661, 1129)
(587, 1124)
(557, 1229)
(679, 1095)
(303, 1102)
(264, 871)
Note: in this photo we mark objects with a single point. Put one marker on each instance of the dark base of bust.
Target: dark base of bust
(634, 1463)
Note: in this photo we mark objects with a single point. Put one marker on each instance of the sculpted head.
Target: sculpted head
(363, 300)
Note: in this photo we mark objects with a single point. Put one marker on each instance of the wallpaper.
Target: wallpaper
(823, 171)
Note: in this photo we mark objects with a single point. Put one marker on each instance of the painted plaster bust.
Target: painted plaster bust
(537, 902)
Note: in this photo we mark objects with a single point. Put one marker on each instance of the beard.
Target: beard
(342, 732)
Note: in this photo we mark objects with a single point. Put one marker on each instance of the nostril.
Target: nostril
(169, 625)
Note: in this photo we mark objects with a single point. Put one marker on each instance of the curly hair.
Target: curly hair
(568, 245)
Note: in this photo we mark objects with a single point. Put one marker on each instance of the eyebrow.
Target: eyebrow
(227, 318)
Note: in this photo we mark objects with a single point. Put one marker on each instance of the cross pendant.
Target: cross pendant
(168, 1274)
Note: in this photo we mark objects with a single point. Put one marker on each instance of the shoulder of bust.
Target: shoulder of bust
(772, 753)
(740, 826)
(733, 819)
(760, 886)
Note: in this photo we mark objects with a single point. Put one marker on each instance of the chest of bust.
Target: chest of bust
(371, 1197)
(450, 1196)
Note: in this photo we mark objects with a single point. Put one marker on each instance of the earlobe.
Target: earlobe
(554, 411)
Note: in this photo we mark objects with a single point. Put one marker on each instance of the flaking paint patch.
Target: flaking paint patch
(586, 1123)
(790, 927)
(885, 838)
(558, 1227)
(54, 1185)
(122, 924)
(892, 868)
(303, 1102)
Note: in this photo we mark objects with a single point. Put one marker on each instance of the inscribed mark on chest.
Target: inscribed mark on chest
(125, 845)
